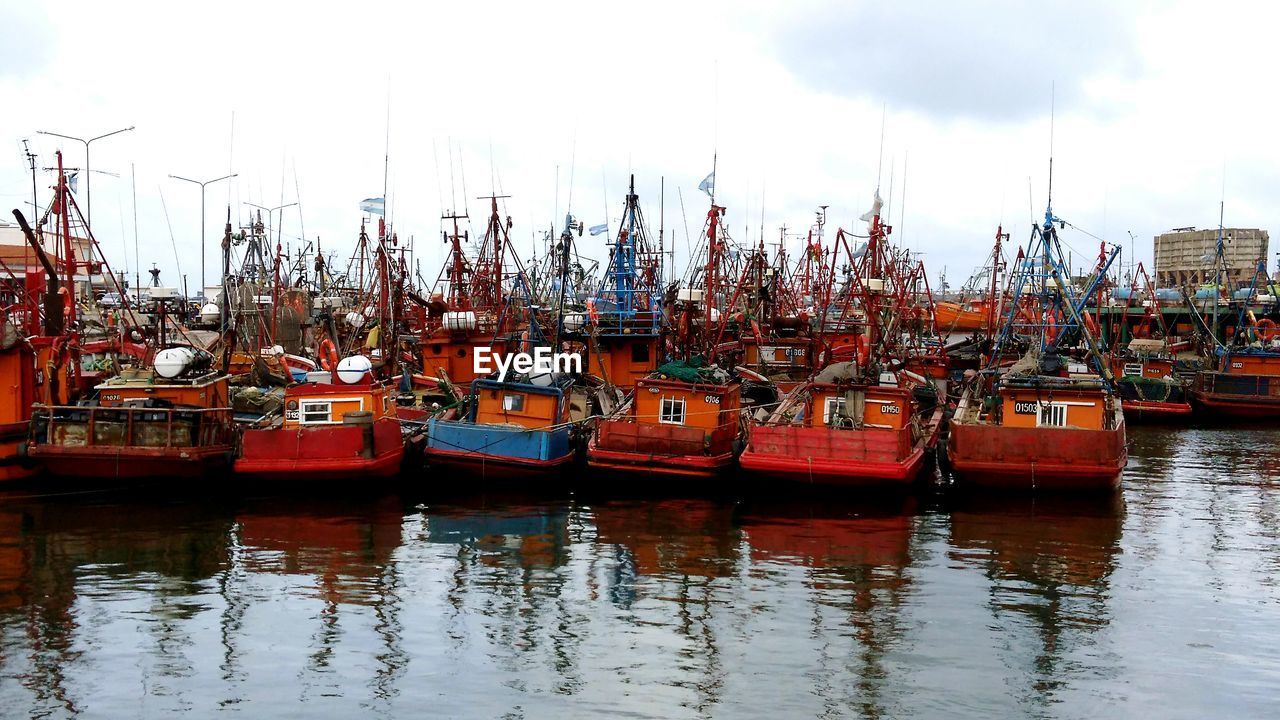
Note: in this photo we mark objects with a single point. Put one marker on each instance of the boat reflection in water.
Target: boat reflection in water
(1048, 564)
(932, 606)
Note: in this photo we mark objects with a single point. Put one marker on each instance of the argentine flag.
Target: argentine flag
(708, 184)
(373, 206)
(598, 229)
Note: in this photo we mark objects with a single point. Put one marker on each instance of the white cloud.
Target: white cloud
(1149, 109)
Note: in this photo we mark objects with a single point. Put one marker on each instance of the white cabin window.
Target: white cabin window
(671, 411)
(834, 410)
(513, 403)
(1134, 369)
(1052, 415)
(316, 411)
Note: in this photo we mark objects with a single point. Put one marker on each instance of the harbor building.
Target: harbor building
(1184, 257)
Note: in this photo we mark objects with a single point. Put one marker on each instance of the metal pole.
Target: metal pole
(88, 194)
(202, 185)
(202, 246)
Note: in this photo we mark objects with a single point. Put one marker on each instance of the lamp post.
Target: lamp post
(202, 223)
(88, 195)
(271, 210)
(275, 285)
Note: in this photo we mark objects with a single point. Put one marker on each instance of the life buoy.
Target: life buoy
(328, 355)
(1091, 324)
(859, 350)
(1266, 329)
(592, 312)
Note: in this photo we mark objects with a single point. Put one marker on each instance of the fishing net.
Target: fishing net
(1148, 389)
(693, 370)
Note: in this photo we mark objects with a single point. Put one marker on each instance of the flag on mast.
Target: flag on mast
(598, 229)
(373, 206)
(708, 184)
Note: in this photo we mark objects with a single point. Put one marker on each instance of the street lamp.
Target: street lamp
(202, 223)
(271, 210)
(88, 196)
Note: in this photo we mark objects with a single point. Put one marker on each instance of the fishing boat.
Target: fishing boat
(1042, 423)
(622, 323)
(170, 420)
(1149, 381)
(468, 312)
(513, 428)
(857, 422)
(1245, 381)
(518, 421)
(683, 420)
(331, 428)
(965, 316)
(40, 339)
(1246, 384)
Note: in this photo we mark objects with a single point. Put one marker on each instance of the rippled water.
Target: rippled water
(1162, 602)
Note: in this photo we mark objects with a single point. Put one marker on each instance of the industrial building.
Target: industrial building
(1185, 256)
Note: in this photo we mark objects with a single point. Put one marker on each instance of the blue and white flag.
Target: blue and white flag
(598, 229)
(72, 181)
(708, 184)
(876, 204)
(373, 206)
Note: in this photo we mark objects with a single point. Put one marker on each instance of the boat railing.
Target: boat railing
(1232, 384)
(142, 427)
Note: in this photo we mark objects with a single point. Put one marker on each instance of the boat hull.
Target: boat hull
(1237, 406)
(12, 464)
(827, 456)
(321, 453)
(701, 467)
(499, 451)
(497, 467)
(1154, 411)
(134, 463)
(1037, 458)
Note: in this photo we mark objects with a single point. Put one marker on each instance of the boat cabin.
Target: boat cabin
(1075, 404)
(1251, 363)
(690, 405)
(622, 360)
(523, 404)
(321, 403)
(850, 406)
(774, 357)
(144, 387)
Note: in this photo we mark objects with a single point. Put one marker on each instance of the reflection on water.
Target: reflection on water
(1158, 602)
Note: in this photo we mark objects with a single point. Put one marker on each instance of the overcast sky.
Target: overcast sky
(1153, 102)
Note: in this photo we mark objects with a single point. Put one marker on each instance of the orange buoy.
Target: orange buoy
(328, 355)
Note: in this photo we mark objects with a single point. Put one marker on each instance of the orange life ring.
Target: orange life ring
(859, 351)
(328, 355)
(1266, 329)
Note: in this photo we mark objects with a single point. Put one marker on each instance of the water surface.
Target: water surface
(1161, 601)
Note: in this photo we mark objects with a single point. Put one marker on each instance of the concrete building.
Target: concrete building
(1185, 256)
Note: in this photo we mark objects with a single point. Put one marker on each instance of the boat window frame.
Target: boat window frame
(303, 412)
(828, 415)
(1130, 366)
(1054, 409)
(513, 396)
(666, 417)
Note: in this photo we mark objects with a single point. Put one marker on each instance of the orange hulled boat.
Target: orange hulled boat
(857, 422)
(1042, 423)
